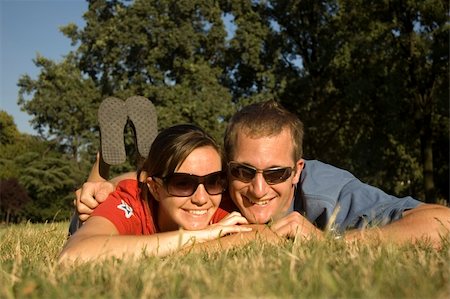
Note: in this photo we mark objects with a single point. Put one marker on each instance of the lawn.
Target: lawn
(296, 269)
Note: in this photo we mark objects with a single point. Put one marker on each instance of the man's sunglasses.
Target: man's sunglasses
(246, 173)
(185, 184)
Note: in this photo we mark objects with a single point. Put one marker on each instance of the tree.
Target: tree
(423, 46)
(13, 198)
(37, 180)
(169, 51)
(50, 180)
(8, 129)
(368, 78)
(399, 63)
(353, 70)
(63, 104)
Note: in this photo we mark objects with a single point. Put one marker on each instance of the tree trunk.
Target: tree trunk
(426, 141)
(8, 214)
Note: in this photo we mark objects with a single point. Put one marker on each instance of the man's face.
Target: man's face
(257, 200)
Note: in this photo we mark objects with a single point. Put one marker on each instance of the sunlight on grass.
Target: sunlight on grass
(296, 269)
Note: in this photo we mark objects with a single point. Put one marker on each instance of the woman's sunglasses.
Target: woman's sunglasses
(246, 173)
(185, 184)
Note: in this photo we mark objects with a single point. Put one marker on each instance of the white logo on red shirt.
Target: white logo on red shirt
(126, 208)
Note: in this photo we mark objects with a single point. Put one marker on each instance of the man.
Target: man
(265, 136)
(271, 183)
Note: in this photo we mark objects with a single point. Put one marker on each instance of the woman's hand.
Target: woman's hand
(228, 225)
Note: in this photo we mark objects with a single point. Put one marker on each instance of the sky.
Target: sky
(28, 27)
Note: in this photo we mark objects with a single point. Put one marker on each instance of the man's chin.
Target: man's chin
(256, 218)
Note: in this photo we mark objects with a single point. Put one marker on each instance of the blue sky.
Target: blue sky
(28, 27)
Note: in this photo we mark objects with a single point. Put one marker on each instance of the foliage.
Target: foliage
(13, 197)
(169, 51)
(371, 84)
(63, 103)
(295, 269)
(37, 178)
(50, 181)
(368, 78)
(8, 129)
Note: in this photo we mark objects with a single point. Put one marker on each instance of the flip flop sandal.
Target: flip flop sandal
(142, 114)
(112, 118)
(74, 225)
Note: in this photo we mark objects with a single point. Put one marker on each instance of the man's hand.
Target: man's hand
(295, 225)
(90, 195)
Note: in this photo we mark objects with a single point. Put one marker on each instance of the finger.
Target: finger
(283, 230)
(293, 218)
(234, 219)
(87, 194)
(103, 192)
(83, 209)
(88, 201)
(83, 217)
(279, 224)
(234, 213)
(225, 230)
(77, 197)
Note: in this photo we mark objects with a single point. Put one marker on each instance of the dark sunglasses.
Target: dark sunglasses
(246, 173)
(185, 184)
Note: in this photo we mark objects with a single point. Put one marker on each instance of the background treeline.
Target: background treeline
(368, 78)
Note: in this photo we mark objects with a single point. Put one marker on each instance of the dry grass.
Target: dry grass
(325, 269)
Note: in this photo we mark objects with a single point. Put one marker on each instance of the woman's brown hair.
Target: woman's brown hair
(169, 150)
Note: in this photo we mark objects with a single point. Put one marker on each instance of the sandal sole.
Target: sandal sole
(142, 114)
(112, 118)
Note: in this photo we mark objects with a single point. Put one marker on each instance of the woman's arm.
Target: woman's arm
(99, 239)
(259, 232)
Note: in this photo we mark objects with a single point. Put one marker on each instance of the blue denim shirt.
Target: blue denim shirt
(324, 188)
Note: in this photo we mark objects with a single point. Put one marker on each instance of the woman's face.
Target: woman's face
(192, 212)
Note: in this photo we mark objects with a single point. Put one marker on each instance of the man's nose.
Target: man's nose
(259, 186)
(200, 196)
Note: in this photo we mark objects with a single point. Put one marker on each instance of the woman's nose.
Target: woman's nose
(200, 196)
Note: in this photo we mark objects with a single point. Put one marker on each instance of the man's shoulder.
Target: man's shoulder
(319, 167)
(318, 177)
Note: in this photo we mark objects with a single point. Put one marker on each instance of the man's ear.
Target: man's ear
(154, 188)
(298, 171)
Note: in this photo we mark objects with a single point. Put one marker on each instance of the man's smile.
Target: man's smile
(257, 202)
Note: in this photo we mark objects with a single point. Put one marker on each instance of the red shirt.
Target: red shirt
(131, 214)
(227, 204)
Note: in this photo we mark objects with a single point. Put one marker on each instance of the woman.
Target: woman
(176, 205)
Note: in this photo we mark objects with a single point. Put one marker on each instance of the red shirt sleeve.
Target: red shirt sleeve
(227, 204)
(219, 215)
(126, 210)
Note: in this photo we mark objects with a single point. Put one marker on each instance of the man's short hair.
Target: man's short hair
(261, 120)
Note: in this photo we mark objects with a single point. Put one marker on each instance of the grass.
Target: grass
(297, 269)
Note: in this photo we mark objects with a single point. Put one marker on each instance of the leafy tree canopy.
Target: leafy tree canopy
(368, 78)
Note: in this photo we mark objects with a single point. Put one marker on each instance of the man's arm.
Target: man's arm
(100, 170)
(425, 222)
(429, 222)
(333, 195)
(97, 188)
